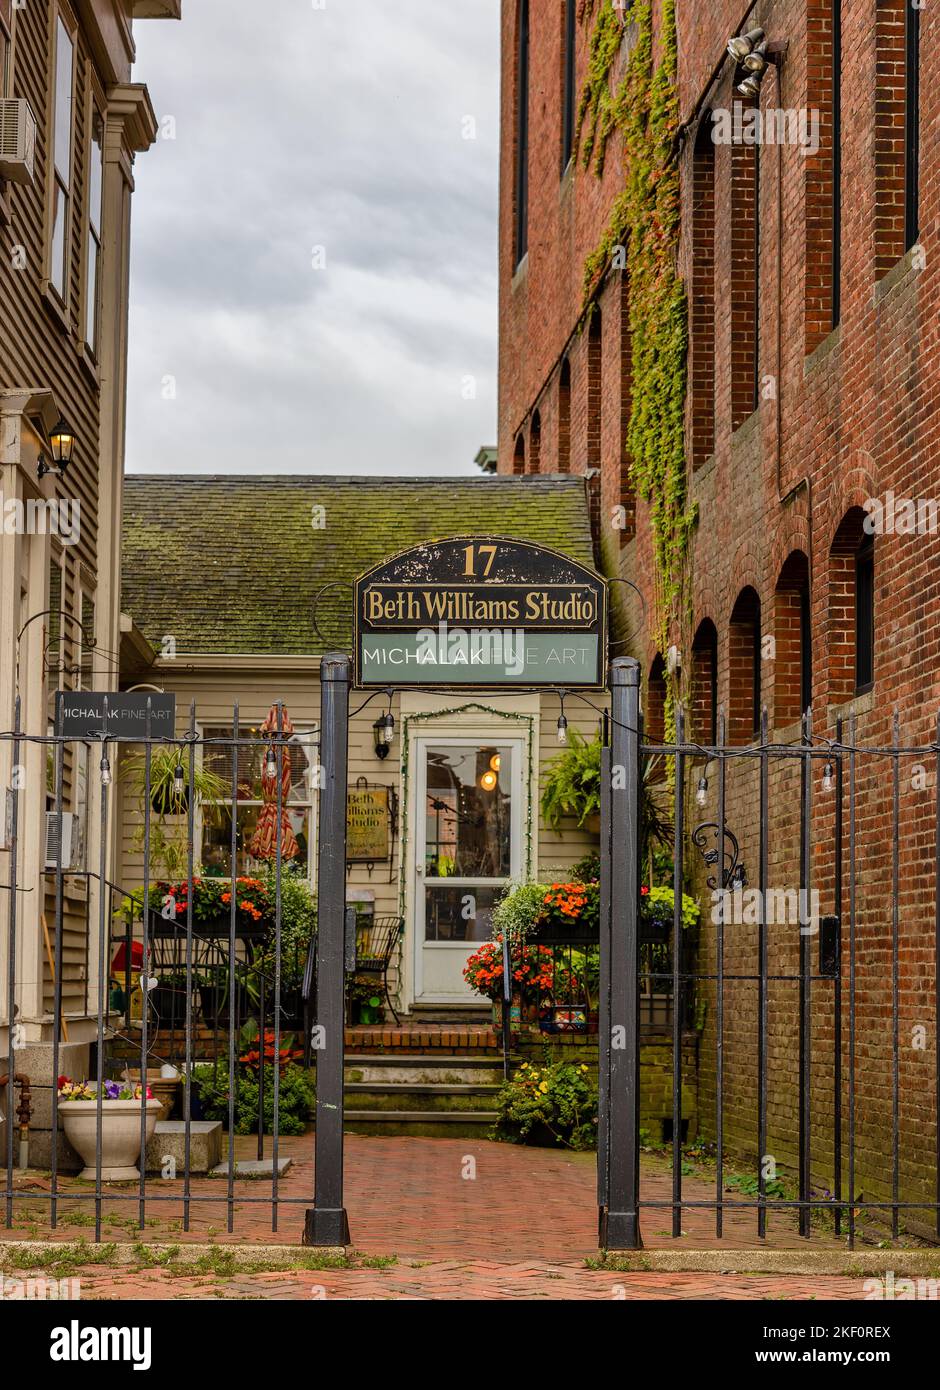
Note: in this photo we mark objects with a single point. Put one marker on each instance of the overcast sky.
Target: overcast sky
(342, 128)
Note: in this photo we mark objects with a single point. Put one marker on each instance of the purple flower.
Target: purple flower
(112, 1090)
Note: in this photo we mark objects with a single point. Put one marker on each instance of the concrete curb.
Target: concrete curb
(845, 1264)
(243, 1256)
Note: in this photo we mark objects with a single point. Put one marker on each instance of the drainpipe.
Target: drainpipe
(23, 1112)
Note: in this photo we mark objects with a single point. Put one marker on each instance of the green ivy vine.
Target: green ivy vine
(641, 238)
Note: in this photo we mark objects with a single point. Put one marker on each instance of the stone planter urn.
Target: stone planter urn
(120, 1135)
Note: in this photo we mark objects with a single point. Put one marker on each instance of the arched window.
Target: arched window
(705, 684)
(654, 715)
(744, 668)
(793, 669)
(518, 460)
(851, 632)
(564, 418)
(535, 443)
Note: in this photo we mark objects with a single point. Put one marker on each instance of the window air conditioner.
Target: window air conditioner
(17, 140)
(52, 838)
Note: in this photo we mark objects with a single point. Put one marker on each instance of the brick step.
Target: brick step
(429, 1124)
(441, 1099)
(418, 1039)
(436, 1070)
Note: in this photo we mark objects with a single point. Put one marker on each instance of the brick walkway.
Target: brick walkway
(463, 1281)
(465, 1219)
(420, 1199)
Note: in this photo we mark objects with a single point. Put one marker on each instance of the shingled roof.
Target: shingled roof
(234, 564)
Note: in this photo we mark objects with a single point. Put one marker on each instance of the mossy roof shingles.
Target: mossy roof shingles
(234, 564)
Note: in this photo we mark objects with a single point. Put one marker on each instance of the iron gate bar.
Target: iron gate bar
(102, 948)
(619, 1222)
(895, 983)
(677, 984)
(327, 1222)
(603, 988)
(762, 1000)
(936, 976)
(145, 974)
(852, 945)
(11, 951)
(806, 1017)
(837, 996)
(233, 986)
(190, 873)
(278, 862)
(57, 982)
(720, 961)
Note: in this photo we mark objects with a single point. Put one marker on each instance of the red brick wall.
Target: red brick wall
(842, 416)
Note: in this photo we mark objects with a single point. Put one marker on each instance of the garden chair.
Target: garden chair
(376, 942)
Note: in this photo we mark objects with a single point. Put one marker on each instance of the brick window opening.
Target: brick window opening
(823, 178)
(897, 131)
(744, 668)
(705, 684)
(522, 132)
(745, 270)
(654, 714)
(595, 368)
(518, 460)
(793, 677)
(569, 33)
(702, 365)
(564, 418)
(851, 634)
(535, 443)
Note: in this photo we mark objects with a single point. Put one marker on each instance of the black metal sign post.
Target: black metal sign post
(326, 1222)
(619, 1144)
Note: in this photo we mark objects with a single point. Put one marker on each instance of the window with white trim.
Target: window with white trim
(299, 806)
(6, 48)
(62, 127)
(93, 229)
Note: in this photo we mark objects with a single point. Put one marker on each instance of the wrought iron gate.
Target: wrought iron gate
(822, 1040)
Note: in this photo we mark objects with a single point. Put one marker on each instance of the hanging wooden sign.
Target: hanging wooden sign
(368, 825)
(479, 612)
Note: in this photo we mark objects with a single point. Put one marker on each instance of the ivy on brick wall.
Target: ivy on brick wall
(641, 239)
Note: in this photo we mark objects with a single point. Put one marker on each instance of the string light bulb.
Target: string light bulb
(270, 764)
(388, 733)
(105, 771)
(828, 781)
(179, 781)
(562, 729)
(701, 794)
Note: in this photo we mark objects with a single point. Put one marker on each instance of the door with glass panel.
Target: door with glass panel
(468, 845)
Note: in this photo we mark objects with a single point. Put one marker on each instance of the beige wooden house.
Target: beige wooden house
(232, 590)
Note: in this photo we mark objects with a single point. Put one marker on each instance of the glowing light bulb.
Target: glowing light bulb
(828, 781)
(105, 771)
(562, 729)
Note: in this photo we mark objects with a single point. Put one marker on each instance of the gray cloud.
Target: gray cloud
(296, 128)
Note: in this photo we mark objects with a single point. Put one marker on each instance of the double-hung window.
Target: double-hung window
(93, 230)
(62, 127)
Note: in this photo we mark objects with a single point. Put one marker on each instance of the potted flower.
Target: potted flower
(121, 1103)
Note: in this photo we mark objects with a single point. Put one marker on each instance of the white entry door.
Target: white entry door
(468, 844)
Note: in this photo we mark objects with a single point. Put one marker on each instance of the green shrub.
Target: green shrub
(556, 1102)
(295, 1104)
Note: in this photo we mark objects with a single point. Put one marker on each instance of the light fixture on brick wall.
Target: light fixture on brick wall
(753, 54)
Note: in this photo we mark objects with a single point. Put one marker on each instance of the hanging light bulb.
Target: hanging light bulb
(270, 764)
(562, 729)
(701, 794)
(388, 733)
(179, 781)
(105, 771)
(828, 781)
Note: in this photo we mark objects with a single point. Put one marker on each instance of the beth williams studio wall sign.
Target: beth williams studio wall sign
(481, 611)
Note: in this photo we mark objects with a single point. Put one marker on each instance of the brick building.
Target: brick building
(811, 285)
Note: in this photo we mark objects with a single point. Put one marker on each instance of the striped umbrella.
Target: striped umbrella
(263, 844)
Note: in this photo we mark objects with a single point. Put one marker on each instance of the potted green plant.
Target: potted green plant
(573, 784)
(120, 1109)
